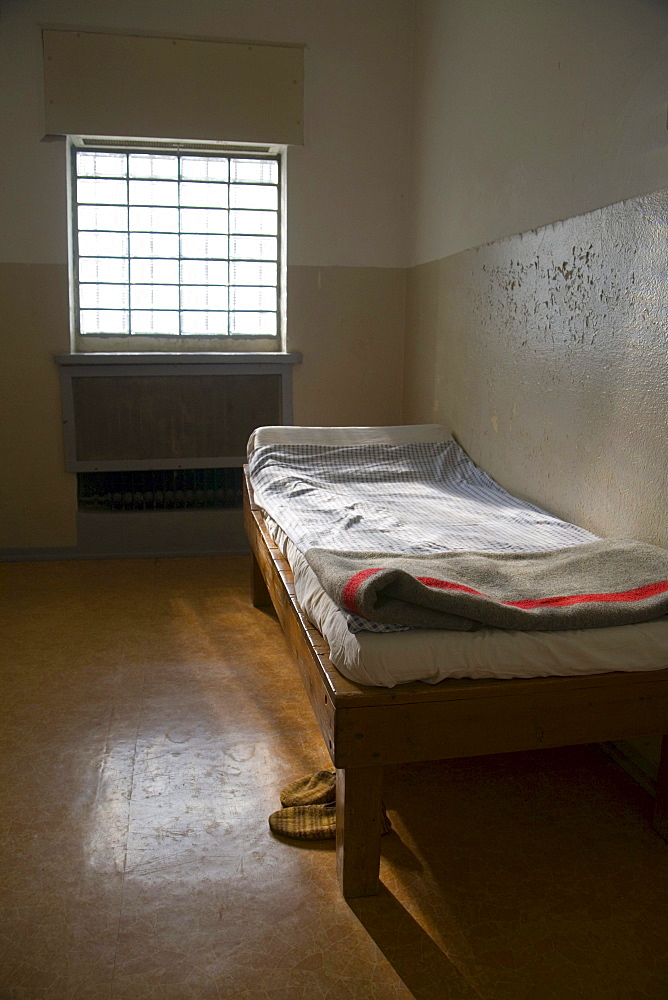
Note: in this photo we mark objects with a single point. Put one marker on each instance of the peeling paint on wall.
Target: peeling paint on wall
(552, 352)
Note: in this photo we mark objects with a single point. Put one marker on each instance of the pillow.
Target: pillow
(400, 434)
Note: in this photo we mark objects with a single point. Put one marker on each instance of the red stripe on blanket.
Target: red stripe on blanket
(349, 592)
(637, 594)
(431, 581)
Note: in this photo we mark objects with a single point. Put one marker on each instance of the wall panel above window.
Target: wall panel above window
(173, 88)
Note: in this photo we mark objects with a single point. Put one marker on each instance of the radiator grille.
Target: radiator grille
(160, 489)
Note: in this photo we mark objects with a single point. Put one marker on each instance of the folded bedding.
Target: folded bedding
(383, 659)
(385, 501)
(608, 582)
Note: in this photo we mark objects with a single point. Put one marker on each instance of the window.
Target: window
(176, 244)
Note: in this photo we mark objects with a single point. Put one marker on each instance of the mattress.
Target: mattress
(433, 655)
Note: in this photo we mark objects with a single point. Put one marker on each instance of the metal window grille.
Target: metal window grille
(176, 244)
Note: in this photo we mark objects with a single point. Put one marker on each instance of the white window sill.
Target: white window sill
(178, 358)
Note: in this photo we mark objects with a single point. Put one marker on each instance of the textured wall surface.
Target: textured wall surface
(547, 355)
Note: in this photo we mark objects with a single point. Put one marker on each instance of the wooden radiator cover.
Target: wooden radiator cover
(166, 416)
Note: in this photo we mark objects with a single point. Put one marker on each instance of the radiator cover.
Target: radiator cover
(129, 414)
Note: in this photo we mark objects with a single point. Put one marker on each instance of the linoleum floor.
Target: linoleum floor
(150, 717)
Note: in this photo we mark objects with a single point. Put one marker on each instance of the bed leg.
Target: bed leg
(259, 593)
(660, 819)
(358, 820)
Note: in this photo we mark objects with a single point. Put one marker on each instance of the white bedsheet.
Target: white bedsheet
(434, 655)
(416, 498)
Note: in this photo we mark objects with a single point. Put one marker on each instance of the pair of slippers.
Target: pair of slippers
(309, 809)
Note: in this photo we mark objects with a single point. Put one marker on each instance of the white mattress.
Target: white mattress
(434, 655)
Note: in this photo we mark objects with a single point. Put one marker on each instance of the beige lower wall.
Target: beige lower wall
(546, 354)
(347, 322)
(37, 498)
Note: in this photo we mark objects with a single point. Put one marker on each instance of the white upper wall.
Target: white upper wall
(532, 111)
(525, 112)
(347, 184)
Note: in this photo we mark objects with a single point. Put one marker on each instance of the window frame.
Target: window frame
(174, 343)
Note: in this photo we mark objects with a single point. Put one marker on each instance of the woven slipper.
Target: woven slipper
(315, 822)
(313, 789)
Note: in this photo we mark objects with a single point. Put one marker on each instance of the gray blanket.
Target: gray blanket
(606, 582)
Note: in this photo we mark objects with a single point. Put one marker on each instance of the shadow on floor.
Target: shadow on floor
(425, 969)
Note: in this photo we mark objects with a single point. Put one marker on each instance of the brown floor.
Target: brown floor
(150, 717)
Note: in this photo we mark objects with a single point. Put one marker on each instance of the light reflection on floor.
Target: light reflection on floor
(150, 718)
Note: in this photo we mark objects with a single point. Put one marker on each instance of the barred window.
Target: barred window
(174, 244)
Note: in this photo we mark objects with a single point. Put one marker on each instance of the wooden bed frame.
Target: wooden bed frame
(365, 728)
